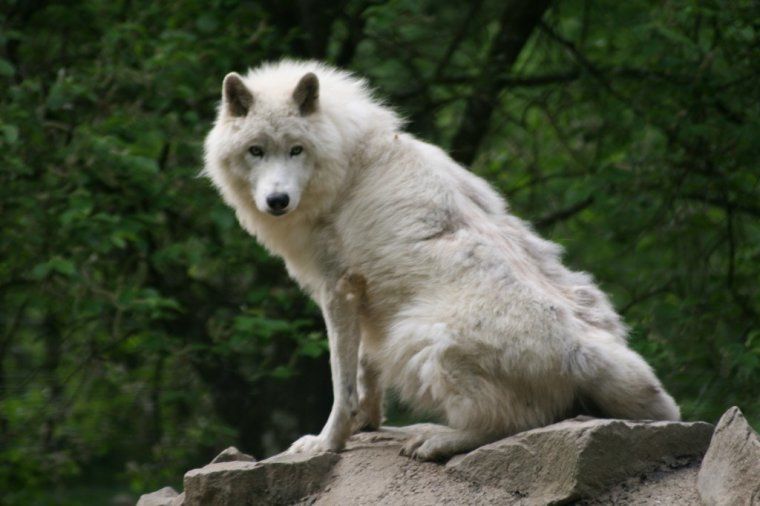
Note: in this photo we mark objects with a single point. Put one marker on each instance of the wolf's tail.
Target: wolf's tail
(620, 384)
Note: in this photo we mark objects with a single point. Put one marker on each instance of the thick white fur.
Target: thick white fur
(461, 307)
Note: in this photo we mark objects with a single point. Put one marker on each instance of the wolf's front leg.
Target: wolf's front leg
(340, 307)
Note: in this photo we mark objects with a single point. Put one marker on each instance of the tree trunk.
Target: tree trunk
(517, 22)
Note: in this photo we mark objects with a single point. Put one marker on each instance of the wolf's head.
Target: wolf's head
(275, 152)
(286, 136)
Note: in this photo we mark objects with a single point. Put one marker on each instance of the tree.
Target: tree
(141, 329)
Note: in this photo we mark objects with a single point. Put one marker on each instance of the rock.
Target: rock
(161, 497)
(282, 479)
(666, 486)
(371, 471)
(730, 472)
(179, 500)
(232, 454)
(593, 460)
(575, 459)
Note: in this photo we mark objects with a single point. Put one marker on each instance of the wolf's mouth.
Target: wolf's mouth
(277, 213)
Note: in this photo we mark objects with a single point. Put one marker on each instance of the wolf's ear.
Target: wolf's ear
(236, 96)
(306, 94)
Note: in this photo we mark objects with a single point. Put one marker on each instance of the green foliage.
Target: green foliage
(141, 330)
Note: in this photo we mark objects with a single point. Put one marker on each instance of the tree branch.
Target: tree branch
(742, 207)
(456, 41)
(355, 24)
(563, 214)
(517, 22)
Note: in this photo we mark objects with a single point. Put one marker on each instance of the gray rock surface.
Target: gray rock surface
(232, 454)
(574, 459)
(594, 461)
(161, 497)
(178, 501)
(371, 471)
(669, 485)
(282, 479)
(730, 472)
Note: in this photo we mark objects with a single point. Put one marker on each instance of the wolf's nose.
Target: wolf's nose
(277, 202)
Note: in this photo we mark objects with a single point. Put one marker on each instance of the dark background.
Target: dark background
(141, 330)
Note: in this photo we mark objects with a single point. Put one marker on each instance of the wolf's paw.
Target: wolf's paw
(433, 449)
(411, 445)
(312, 444)
(437, 447)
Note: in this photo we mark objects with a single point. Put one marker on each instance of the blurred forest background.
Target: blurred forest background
(142, 331)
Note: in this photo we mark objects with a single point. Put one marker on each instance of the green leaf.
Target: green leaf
(6, 68)
(282, 372)
(207, 23)
(10, 132)
(313, 348)
(62, 266)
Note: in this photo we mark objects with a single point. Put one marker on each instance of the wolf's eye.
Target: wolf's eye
(256, 151)
(296, 150)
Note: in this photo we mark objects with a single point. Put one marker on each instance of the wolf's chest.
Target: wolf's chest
(310, 253)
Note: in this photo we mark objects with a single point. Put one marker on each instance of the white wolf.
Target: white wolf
(426, 283)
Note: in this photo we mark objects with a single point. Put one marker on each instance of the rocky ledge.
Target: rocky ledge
(583, 460)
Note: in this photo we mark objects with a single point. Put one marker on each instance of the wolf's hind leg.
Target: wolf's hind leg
(370, 414)
(621, 384)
